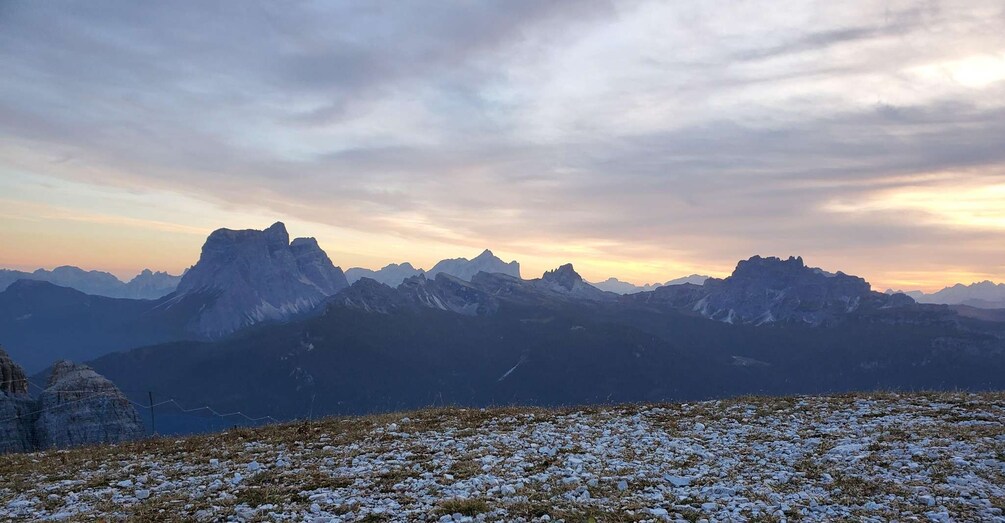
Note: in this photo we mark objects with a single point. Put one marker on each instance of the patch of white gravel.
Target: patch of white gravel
(857, 458)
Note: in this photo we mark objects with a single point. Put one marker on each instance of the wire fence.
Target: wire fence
(150, 406)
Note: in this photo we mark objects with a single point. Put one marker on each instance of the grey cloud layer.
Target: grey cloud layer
(506, 123)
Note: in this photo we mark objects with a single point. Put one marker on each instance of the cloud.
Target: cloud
(641, 131)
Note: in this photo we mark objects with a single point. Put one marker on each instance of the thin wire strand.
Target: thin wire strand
(171, 401)
(209, 409)
(105, 393)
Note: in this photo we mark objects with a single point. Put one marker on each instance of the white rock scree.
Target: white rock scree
(913, 457)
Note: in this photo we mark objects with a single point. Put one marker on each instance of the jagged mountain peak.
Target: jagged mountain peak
(275, 235)
(783, 272)
(260, 276)
(565, 276)
(305, 243)
(759, 264)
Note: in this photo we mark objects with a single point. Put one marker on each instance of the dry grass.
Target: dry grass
(348, 438)
(465, 507)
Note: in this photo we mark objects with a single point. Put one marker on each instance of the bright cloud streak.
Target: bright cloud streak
(965, 207)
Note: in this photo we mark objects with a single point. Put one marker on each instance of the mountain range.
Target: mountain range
(392, 274)
(983, 295)
(773, 327)
(463, 268)
(145, 285)
(260, 309)
(622, 287)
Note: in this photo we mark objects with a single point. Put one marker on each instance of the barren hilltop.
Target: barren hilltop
(878, 457)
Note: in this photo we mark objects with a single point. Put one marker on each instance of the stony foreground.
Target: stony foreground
(918, 457)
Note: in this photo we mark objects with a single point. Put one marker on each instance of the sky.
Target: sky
(639, 139)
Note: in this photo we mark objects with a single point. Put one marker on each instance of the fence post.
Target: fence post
(153, 422)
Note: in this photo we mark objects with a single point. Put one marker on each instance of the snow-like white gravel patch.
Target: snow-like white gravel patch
(926, 457)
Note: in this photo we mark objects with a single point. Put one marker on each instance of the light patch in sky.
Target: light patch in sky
(972, 207)
(644, 140)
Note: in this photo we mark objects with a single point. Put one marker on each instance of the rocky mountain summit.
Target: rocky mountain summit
(466, 269)
(78, 407)
(565, 280)
(147, 284)
(392, 274)
(768, 290)
(258, 276)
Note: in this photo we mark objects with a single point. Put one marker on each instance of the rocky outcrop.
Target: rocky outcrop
(13, 381)
(565, 280)
(466, 269)
(15, 407)
(258, 276)
(78, 407)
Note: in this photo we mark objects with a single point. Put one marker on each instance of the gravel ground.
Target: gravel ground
(913, 457)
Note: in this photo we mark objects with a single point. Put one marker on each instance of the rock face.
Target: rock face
(147, 285)
(259, 276)
(466, 269)
(12, 379)
(391, 275)
(768, 290)
(80, 407)
(15, 407)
